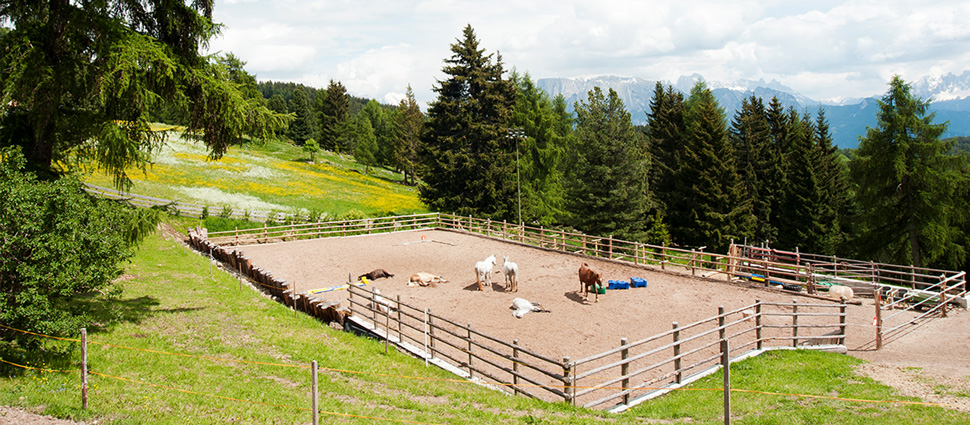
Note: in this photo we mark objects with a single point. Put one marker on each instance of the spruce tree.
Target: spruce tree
(757, 163)
(332, 109)
(835, 210)
(408, 124)
(800, 224)
(468, 157)
(720, 207)
(301, 128)
(665, 136)
(539, 153)
(907, 186)
(608, 185)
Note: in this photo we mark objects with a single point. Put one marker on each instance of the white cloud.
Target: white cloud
(823, 49)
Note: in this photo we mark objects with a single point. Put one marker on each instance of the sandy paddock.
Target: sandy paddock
(574, 327)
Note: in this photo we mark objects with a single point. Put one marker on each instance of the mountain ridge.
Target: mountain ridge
(847, 118)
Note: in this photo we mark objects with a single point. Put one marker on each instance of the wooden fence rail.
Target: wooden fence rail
(655, 361)
(625, 373)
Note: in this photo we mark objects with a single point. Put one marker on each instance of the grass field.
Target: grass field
(274, 176)
(188, 344)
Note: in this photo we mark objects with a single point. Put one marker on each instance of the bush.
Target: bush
(59, 245)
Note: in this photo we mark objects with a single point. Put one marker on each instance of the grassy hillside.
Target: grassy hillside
(273, 176)
(186, 343)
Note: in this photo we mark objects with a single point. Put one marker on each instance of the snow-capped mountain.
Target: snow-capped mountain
(848, 119)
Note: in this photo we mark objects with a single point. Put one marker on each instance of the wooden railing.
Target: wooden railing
(291, 232)
(619, 374)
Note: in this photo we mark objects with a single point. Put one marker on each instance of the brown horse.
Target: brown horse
(589, 281)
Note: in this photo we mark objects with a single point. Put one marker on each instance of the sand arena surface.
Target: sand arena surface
(573, 328)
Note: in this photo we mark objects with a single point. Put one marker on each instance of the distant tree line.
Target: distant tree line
(501, 148)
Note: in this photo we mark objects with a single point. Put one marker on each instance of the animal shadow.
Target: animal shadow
(576, 296)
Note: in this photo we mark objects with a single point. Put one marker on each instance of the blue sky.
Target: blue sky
(822, 49)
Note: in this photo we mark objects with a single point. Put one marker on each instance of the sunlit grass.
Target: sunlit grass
(269, 177)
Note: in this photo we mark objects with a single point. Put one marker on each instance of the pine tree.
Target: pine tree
(800, 224)
(383, 131)
(757, 163)
(363, 141)
(408, 124)
(608, 185)
(834, 204)
(539, 153)
(468, 157)
(301, 128)
(332, 108)
(720, 208)
(665, 132)
(908, 187)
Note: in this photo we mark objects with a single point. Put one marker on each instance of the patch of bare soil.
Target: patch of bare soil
(929, 362)
(18, 416)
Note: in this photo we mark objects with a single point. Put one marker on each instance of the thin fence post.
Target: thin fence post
(663, 255)
(84, 368)
(469, 350)
(726, 365)
(624, 370)
(720, 322)
(680, 375)
(611, 247)
(878, 320)
(943, 296)
(316, 411)
(400, 335)
(757, 323)
(569, 390)
(515, 366)
(842, 321)
(431, 331)
(794, 322)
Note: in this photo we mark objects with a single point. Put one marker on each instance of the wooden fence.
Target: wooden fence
(264, 281)
(622, 375)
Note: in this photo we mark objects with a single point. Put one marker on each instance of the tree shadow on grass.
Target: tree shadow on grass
(62, 353)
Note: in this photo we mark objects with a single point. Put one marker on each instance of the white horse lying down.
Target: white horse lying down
(483, 271)
(522, 307)
(511, 271)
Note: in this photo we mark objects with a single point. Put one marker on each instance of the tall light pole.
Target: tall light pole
(517, 133)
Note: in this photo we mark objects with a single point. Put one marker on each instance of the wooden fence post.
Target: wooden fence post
(611, 247)
(720, 322)
(878, 303)
(726, 365)
(400, 335)
(469, 350)
(943, 296)
(515, 366)
(757, 323)
(624, 370)
(794, 322)
(569, 390)
(316, 411)
(84, 368)
(663, 255)
(431, 331)
(842, 320)
(680, 375)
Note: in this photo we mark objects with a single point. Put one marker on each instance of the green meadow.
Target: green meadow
(272, 176)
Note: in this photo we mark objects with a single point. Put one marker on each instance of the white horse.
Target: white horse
(483, 271)
(522, 307)
(511, 271)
